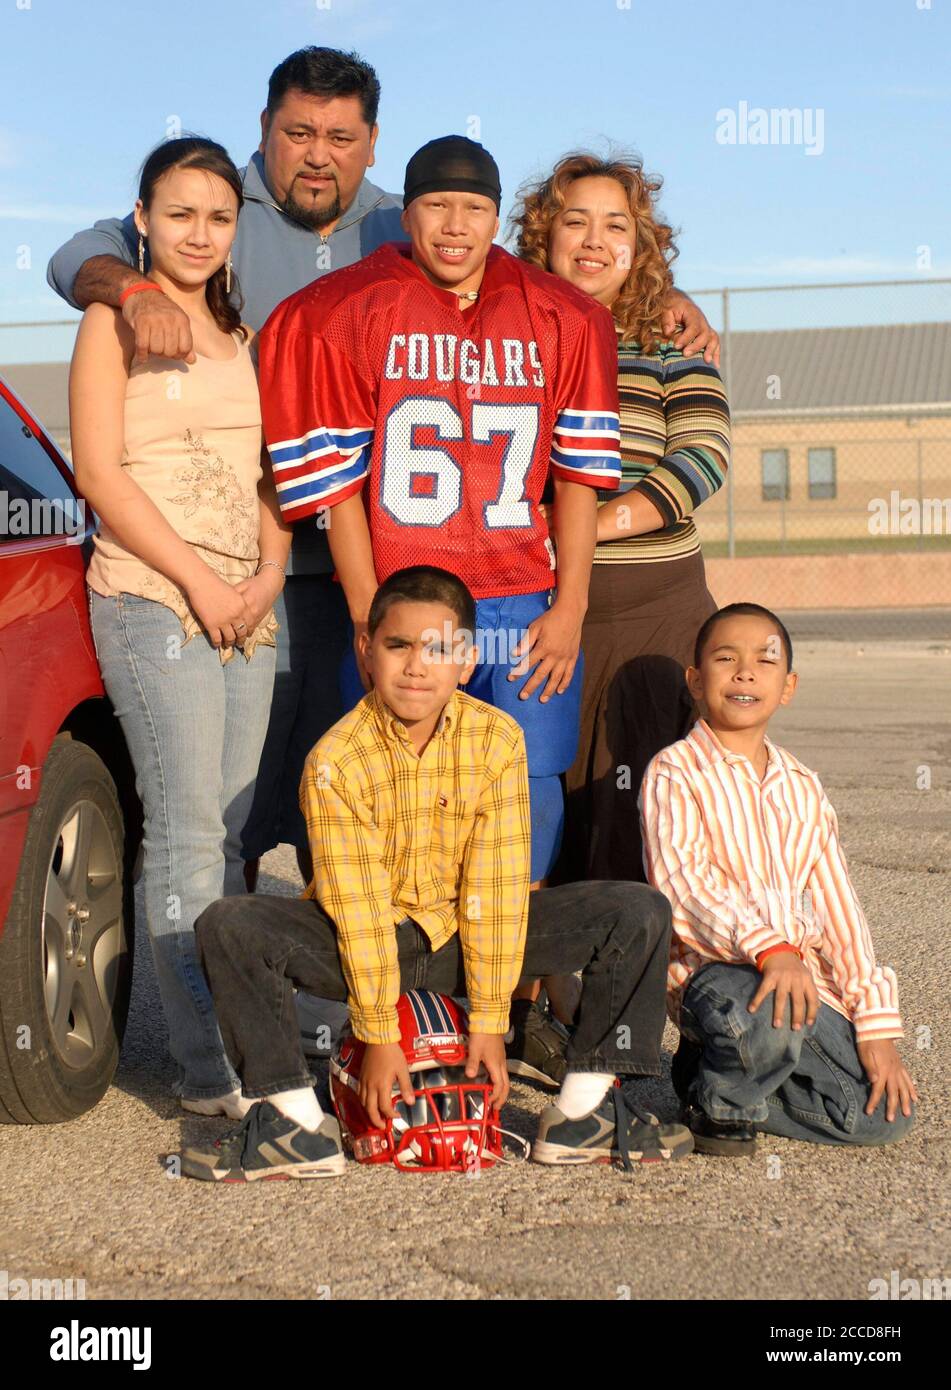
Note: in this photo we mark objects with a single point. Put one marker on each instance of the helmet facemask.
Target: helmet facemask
(450, 1127)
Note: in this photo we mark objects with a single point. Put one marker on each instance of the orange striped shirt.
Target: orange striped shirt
(750, 864)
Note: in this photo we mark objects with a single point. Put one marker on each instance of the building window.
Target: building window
(775, 468)
(821, 473)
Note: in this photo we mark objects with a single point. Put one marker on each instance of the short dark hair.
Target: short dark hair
(741, 610)
(326, 72)
(423, 584)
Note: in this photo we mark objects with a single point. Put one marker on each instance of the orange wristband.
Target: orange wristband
(137, 288)
(772, 950)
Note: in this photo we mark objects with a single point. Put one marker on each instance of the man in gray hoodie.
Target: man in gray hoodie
(308, 209)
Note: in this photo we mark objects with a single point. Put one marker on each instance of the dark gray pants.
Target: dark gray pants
(312, 637)
(255, 949)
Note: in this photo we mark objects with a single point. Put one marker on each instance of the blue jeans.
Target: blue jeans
(808, 1084)
(194, 730)
(314, 630)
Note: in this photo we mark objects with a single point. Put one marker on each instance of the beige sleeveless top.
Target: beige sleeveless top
(193, 444)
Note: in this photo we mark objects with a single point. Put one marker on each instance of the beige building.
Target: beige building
(834, 429)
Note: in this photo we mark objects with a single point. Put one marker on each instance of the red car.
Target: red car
(69, 816)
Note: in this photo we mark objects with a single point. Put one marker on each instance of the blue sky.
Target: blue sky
(89, 86)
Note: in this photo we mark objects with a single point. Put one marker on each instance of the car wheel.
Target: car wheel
(66, 949)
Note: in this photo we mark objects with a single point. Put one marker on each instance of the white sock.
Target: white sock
(300, 1105)
(583, 1091)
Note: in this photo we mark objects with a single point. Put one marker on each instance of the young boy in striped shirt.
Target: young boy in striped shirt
(743, 841)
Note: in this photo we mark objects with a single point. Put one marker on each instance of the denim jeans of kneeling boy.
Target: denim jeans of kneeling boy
(255, 949)
(808, 1084)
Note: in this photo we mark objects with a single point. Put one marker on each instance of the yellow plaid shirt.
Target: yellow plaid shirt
(443, 838)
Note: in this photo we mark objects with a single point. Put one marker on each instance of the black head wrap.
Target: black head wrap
(452, 164)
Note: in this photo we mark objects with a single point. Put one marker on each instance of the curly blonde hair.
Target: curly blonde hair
(638, 307)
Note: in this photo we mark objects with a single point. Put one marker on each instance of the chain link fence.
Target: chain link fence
(841, 404)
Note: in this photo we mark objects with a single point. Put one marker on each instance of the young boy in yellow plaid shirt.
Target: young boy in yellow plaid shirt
(417, 813)
(418, 816)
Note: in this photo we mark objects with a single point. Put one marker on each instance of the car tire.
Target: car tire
(66, 948)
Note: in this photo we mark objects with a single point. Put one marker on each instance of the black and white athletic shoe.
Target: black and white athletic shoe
(269, 1145)
(615, 1132)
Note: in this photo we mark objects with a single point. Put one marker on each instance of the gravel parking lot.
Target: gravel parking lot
(93, 1199)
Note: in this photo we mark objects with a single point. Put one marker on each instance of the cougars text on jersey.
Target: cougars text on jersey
(448, 422)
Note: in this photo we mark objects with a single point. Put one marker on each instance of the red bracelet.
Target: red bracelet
(771, 951)
(137, 288)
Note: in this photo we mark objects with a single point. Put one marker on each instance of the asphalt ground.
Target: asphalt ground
(93, 1199)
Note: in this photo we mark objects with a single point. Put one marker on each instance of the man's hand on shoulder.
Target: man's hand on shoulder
(488, 1050)
(161, 328)
(696, 334)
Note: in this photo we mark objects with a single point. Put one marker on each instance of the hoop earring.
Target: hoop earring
(228, 274)
(141, 254)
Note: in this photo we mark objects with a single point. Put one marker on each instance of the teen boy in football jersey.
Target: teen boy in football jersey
(418, 401)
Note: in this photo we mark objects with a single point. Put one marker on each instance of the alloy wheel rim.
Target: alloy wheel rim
(83, 935)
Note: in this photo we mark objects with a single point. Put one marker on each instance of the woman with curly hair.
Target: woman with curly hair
(594, 222)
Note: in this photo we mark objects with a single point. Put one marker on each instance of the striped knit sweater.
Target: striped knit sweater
(674, 410)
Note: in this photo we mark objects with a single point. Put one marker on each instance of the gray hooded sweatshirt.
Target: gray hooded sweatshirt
(273, 256)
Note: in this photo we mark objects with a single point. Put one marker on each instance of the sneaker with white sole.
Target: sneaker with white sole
(268, 1145)
(615, 1131)
(233, 1105)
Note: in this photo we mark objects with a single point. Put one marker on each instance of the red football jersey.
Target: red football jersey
(373, 378)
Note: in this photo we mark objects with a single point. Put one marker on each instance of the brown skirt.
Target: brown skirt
(638, 638)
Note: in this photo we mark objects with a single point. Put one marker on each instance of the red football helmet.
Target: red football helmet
(451, 1126)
